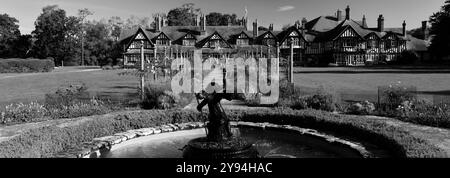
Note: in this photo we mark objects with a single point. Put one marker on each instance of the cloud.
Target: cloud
(285, 8)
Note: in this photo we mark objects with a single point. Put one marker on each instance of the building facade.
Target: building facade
(326, 40)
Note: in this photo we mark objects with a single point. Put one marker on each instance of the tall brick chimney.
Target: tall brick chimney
(158, 23)
(271, 27)
(380, 23)
(424, 29)
(364, 21)
(203, 24)
(304, 21)
(347, 13)
(255, 28)
(404, 28)
(339, 15)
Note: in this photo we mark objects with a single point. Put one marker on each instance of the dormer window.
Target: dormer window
(242, 40)
(162, 40)
(136, 43)
(216, 41)
(189, 40)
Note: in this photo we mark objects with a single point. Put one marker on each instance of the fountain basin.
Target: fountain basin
(271, 141)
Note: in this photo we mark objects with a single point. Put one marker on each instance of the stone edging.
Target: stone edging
(100, 145)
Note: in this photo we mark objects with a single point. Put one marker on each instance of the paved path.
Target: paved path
(60, 71)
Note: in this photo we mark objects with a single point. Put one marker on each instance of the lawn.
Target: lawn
(358, 84)
(351, 84)
(33, 87)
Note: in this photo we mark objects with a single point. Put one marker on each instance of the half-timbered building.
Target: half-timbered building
(325, 40)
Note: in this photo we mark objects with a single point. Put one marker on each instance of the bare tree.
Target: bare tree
(82, 14)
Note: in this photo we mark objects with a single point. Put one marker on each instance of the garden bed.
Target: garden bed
(48, 141)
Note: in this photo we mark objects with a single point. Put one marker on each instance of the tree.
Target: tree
(99, 45)
(115, 26)
(417, 33)
(9, 32)
(134, 22)
(22, 46)
(82, 14)
(53, 33)
(262, 28)
(218, 19)
(183, 16)
(440, 28)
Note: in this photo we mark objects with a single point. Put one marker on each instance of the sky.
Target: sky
(278, 12)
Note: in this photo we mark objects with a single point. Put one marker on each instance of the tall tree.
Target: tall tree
(440, 28)
(219, 19)
(22, 46)
(135, 21)
(52, 29)
(183, 16)
(9, 33)
(115, 26)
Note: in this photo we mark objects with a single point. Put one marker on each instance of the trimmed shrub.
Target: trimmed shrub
(26, 65)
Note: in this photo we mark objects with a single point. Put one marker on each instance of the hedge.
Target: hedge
(15, 65)
(46, 141)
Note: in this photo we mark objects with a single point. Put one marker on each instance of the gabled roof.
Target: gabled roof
(358, 28)
(322, 24)
(339, 29)
(138, 31)
(203, 41)
(284, 34)
(174, 33)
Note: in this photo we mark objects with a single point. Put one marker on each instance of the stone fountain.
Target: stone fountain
(219, 142)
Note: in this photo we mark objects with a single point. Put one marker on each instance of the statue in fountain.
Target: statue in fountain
(219, 124)
(219, 141)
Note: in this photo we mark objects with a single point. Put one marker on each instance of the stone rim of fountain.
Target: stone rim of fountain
(98, 146)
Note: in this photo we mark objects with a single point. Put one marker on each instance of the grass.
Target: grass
(105, 84)
(359, 84)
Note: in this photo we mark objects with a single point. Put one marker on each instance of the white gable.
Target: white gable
(140, 36)
(349, 33)
(215, 37)
(293, 34)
